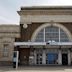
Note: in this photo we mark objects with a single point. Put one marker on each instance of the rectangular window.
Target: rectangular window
(5, 50)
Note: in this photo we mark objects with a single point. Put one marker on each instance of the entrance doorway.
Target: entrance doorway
(24, 54)
(64, 59)
(39, 59)
(51, 58)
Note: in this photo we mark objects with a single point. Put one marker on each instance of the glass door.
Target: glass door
(39, 58)
(51, 58)
(64, 59)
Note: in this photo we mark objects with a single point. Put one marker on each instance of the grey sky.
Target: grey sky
(8, 8)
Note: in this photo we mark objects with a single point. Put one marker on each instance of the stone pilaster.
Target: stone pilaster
(59, 57)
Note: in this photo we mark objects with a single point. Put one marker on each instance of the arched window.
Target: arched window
(51, 33)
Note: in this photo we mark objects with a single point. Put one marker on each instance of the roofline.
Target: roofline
(45, 7)
(8, 25)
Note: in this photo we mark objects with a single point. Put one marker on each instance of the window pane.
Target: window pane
(40, 36)
(52, 34)
(5, 50)
(63, 36)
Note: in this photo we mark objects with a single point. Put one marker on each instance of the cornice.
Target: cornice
(45, 12)
(45, 7)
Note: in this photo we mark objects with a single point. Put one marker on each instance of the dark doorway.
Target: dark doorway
(64, 59)
(24, 56)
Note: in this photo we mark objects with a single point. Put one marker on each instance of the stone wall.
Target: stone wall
(8, 33)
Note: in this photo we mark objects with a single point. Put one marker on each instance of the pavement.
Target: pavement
(36, 69)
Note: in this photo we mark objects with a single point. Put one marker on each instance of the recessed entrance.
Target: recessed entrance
(24, 54)
(51, 58)
(64, 59)
(39, 59)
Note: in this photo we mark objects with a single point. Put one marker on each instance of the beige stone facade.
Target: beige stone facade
(8, 33)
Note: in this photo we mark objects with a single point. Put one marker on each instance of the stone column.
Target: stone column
(59, 57)
(35, 57)
(44, 57)
(69, 58)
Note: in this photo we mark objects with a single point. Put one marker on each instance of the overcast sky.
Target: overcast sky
(8, 8)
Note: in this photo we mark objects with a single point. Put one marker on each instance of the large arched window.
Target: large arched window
(51, 33)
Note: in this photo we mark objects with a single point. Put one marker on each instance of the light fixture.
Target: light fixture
(25, 25)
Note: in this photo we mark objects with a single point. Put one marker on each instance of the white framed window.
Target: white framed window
(5, 50)
(52, 33)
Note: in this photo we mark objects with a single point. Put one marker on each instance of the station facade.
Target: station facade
(44, 37)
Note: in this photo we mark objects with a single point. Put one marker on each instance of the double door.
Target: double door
(64, 59)
(51, 58)
(43, 58)
(24, 54)
(39, 58)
